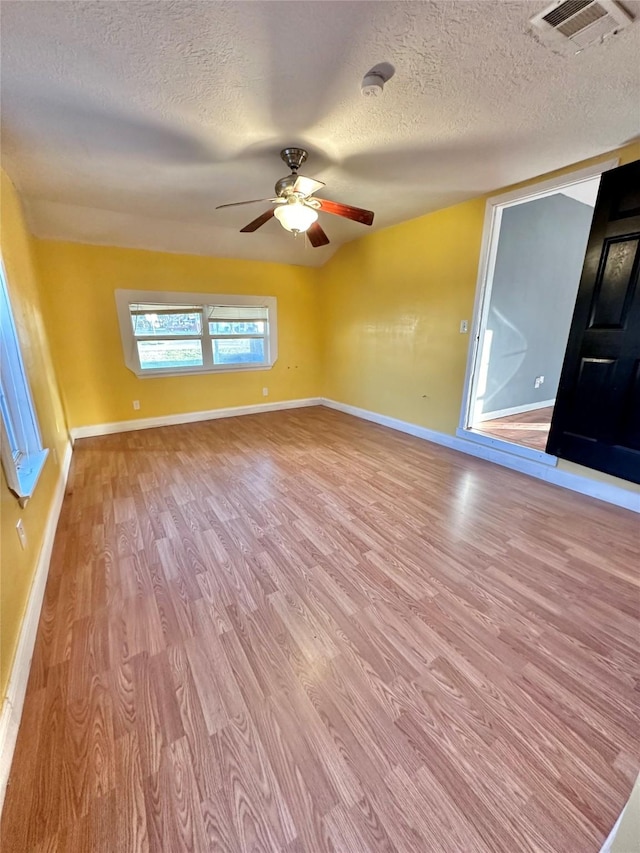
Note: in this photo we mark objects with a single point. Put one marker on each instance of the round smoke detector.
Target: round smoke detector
(372, 85)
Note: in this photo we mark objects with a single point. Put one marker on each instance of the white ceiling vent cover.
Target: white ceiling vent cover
(572, 25)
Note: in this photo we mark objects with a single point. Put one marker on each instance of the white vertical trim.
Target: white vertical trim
(13, 703)
(473, 354)
(491, 232)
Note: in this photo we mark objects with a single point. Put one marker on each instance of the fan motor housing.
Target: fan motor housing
(294, 158)
(285, 185)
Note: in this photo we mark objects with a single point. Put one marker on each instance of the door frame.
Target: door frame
(486, 268)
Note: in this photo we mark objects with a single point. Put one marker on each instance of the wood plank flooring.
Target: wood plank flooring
(528, 428)
(302, 632)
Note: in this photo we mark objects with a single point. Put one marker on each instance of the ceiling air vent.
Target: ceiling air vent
(572, 25)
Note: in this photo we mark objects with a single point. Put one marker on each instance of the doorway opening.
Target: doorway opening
(533, 253)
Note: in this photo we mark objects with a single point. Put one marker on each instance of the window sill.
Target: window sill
(195, 371)
(28, 474)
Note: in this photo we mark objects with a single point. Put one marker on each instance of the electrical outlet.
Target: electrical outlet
(22, 536)
(538, 381)
(265, 392)
(136, 404)
(464, 327)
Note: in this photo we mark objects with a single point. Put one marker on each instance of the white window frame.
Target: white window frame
(22, 453)
(126, 298)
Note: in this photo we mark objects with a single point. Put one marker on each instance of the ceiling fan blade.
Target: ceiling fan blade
(316, 235)
(355, 213)
(253, 201)
(257, 223)
(306, 186)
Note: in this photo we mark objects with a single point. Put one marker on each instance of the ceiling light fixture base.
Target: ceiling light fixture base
(294, 157)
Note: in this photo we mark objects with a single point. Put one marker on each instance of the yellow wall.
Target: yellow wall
(78, 286)
(392, 304)
(17, 566)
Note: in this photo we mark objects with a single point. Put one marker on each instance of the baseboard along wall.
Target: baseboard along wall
(189, 417)
(585, 486)
(483, 450)
(515, 410)
(12, 705)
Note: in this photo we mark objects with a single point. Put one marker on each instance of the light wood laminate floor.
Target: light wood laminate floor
(298, 631)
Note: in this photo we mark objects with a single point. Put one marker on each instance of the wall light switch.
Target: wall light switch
(136, 404)
(464, 327)
(22, 536)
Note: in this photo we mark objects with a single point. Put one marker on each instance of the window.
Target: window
(23, 456)
(169, 333)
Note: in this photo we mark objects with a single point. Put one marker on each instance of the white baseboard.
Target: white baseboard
(608, 843)
(515, 410)
(19, 676)
(394, 423)
(189, 417)
(479, 437)
(629, 499)
(626, 830)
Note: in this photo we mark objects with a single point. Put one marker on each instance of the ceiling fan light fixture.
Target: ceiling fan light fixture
(295, 216)
(297, 208)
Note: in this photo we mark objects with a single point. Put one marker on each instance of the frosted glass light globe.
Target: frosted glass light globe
(295, 216)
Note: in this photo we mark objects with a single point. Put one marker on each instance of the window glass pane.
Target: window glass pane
(238, 351)
(17, 406)
(236, 328)
(163, 354)
(164, 324)
(8, 422)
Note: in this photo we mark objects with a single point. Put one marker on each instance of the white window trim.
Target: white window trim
(22, 466)
(125, 298)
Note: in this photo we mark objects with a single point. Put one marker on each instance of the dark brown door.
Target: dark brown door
(596, 420)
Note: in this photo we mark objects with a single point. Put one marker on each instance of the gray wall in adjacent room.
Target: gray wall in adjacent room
(539, 261)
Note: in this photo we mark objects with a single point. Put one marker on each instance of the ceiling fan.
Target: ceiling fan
(294, 205)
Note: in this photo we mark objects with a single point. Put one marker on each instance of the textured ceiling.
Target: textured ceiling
(127, 122)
